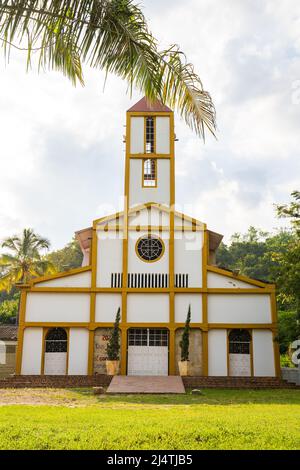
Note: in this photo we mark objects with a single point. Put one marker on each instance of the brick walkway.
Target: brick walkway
(146, 384)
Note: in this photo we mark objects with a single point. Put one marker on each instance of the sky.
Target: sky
(62, 155)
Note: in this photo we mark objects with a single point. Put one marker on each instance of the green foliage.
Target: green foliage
(285, 361)
(111, 35)
(289, 329)
(291, 211)
(69, 257)
(9, 310)
(23, 259)
(113, 345)
(185, 340)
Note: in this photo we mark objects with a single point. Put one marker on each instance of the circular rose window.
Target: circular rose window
(150, 248)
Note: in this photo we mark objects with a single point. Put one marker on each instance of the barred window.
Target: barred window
(149, 135)
(149, 172)
(56, 340)
(150, 248)
(239, 342)
(147, 337)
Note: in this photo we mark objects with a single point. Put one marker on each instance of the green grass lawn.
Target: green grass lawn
(219, 419)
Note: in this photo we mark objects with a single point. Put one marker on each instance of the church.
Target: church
(152, 262)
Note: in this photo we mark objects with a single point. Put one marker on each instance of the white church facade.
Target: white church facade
(151, 262)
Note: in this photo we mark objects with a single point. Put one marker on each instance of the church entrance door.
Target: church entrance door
(147, 351)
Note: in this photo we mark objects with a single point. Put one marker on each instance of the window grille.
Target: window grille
(149, 280)
(147, 337)
(181, 280)
(149, 135)
(56, 341)
(239, 342)
(149, 172)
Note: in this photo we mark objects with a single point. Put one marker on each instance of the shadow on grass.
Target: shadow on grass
(208, 397)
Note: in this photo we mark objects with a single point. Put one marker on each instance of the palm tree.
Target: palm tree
(24, 259)
(111, 35)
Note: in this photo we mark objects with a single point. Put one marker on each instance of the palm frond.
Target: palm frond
(111, 35)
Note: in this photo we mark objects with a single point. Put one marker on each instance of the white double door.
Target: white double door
(149, 356)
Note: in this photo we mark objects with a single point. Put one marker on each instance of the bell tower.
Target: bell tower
(149, 170)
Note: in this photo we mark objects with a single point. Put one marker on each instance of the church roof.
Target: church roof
(8, 332)
(145, 106)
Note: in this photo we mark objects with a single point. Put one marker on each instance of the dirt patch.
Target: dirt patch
(49, 396)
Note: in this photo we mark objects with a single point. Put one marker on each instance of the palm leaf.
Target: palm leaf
(111, 35)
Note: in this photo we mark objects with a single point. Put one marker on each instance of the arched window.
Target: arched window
(239, 342)
(56, 341)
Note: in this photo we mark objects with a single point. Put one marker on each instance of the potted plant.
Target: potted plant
(184, 346)
(113, 348)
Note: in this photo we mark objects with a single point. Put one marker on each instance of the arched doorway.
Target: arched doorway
(56, 351)
(239, 353)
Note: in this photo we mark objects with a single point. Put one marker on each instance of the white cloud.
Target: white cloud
(62, 156)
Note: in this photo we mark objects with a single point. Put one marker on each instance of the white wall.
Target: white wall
(150, 216)
(239, 308)
(137, 135)
(136, 265)
(162, 135)
(219, 281)
(182, 302)
(109, 257)
(148, 308)
(107, 306)
(78, 351)
(32, 351)
(75, 280)
(57, 307)
(140, 195)
(217, 352)
(263, 353)
(188, 256)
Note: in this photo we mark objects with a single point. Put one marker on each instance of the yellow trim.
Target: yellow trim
(216, 270)
(91, 352)
(70, 272)
(155, 205)
(123, 362)
(22, 319)
(204, 353)
(172, 356)
(153, 228)
(277, 366)
(162, 290)
(154, 260)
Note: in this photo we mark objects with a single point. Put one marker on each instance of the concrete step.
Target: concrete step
(146, 384)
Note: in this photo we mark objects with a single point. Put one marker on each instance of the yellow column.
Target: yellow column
(123, 350)
(21, 331)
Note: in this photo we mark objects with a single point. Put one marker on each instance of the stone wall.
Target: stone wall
(195, 365)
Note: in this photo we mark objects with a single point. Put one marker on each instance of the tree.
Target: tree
(24, 259)
(291, 211)
(113, 345)
(185, 340)
(69, 257)
(289, 261)
(111, 35)
(9, 310)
